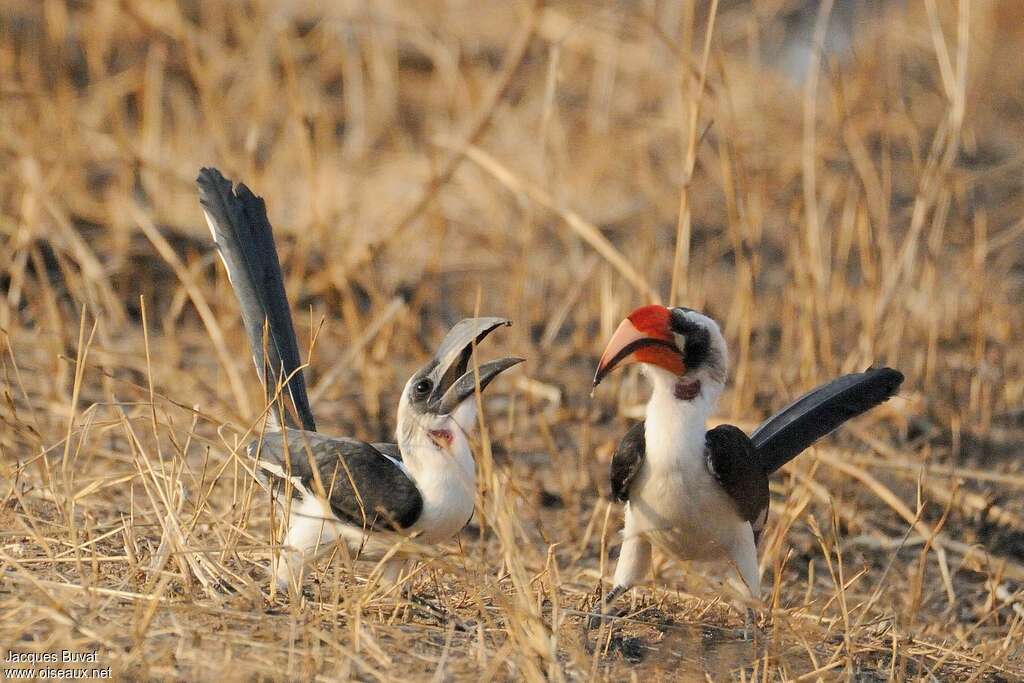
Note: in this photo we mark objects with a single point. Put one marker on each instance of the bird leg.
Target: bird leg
(634, 563)
(749, 624)
(743, 554)
(391, 575)
(307, 538)
(391, 571)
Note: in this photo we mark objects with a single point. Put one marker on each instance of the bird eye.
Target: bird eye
(423, 387)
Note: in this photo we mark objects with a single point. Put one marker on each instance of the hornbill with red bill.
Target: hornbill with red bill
(364, 495)
(702, 494)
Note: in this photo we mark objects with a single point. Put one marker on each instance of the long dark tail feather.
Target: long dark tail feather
(238, 221)
(786, 434)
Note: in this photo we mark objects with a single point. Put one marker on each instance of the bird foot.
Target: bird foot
(604, 615)
(443, 616)
(222, 587)
(750, 628)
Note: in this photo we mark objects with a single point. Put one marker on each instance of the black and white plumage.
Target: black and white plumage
(734, 464)
(703, 494)
(367, 496)
(385, 497)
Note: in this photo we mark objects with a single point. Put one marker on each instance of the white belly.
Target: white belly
(445, 512)
(683, 511)
(447, 482)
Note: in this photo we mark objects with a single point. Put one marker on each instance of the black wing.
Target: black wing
(626, 462)
(363, 486)
(786, 434)
(238, 221)
(732, 461)
(389, 449)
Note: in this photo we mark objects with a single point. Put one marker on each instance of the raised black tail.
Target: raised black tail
(238, 221)
(784, 435)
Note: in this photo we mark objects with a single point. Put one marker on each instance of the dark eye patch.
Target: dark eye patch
(697, 346)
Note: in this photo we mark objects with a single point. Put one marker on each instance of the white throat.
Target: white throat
(445, 477)
(674, 428)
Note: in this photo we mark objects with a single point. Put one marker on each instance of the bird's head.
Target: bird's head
(438, 401)
(679, 345)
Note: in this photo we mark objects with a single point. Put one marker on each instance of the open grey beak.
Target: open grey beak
(465, 385)
(455, 380)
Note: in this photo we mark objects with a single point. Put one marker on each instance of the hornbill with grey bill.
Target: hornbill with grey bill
(366, 496)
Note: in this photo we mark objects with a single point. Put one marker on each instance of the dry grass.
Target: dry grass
(557, 166)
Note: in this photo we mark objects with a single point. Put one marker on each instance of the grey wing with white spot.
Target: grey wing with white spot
(733, 462)
(361, 484)
(627, 461)
(389, 449)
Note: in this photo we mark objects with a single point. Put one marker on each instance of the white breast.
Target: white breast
(683, 510)
(447, 481)
(675, 501)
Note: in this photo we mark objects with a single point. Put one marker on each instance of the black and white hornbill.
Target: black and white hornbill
(364, 495)
(702, 494)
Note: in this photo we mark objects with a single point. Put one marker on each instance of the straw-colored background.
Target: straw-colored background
(558, 165)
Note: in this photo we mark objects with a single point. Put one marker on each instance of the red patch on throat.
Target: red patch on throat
(687, 389)
(442, 437)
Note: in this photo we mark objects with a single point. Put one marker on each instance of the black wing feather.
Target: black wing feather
(732, 461)
(238, 219)
(363, 486)
(786, 434)
(626, 462)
